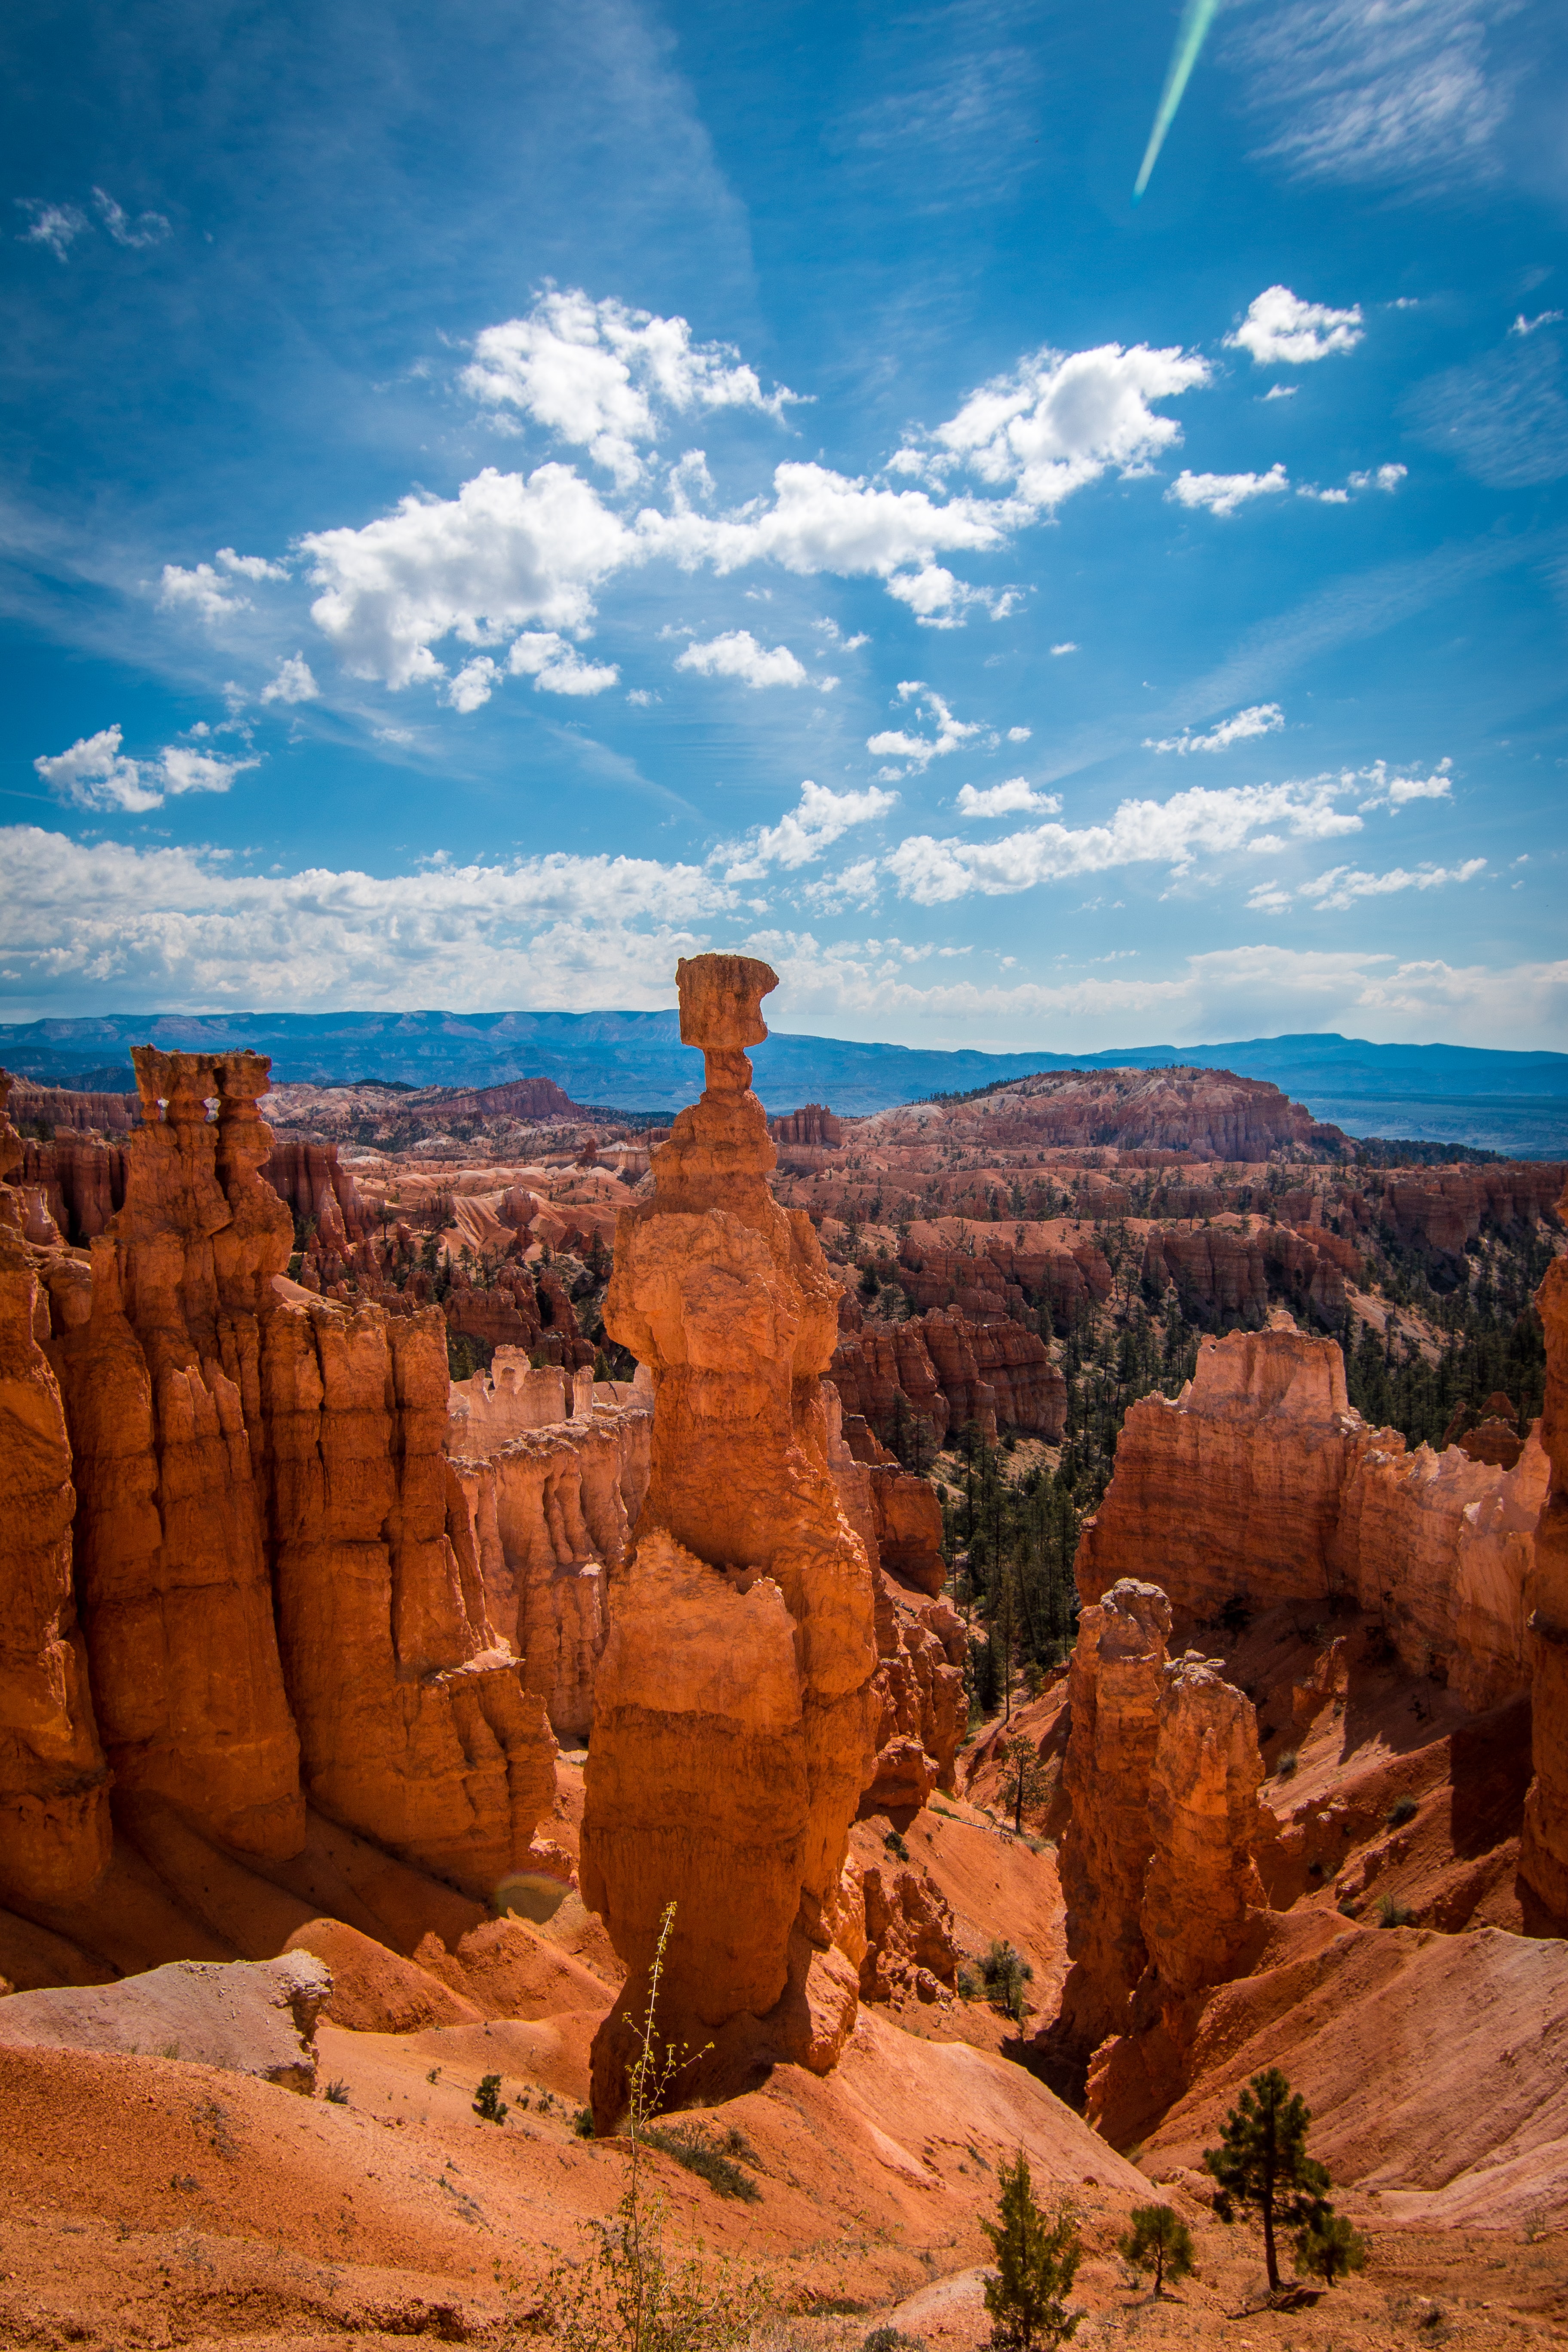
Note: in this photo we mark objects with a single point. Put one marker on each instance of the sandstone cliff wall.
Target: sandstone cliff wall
(1259, 1484)
(551, 1510)
(307, 1177)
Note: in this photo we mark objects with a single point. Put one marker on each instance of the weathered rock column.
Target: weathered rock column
(159, 1356)
(1544, 1848)
(733, 1707)
(54, 1787)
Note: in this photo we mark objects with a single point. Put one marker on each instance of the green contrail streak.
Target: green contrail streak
(1197, 15)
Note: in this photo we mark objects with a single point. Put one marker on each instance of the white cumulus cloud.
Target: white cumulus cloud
(1343, 885)
(920, 751)
(252, 567)
(293, 683)
(819, 818)
(203, 592)
(737, 653)
(96, 773)
(1173, 831)
(1222, 494)
(1281, 330)
(1394, 793)
(1016, 797)
(183, 925)
(507, 549)
(555, 668)
(1057, 421)
(598, 375)
(1262, 719)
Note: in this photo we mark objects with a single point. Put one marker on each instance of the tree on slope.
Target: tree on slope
(1024, 1780)
(1329, 2247)
(1035, 2263)
(1159, 2241)
(1262, 2161)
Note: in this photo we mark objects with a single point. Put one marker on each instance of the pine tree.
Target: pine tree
(1159, 2241)
(1036, 2260)
(1263, 2162)
(1328, 2246)
(1024, 1780)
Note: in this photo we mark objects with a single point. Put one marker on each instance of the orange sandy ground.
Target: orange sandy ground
(144, 2201)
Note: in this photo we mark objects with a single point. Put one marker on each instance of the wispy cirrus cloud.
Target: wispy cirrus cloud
(1406, 92)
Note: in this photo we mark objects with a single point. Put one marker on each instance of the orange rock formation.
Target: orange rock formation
(279, 1592)
(1259, 1484)
(1544, 1855)
(734, 1709)
(1163, 1772)
(54, 1790)
(159, 1356)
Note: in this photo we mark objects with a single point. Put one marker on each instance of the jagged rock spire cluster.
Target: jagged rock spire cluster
(278, 1587)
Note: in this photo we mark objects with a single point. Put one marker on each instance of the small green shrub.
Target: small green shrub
(337, 2091)
(1285, 1768)
(582, 2124)
(971, 1983)
(689, 2146)
(433, 2075)
(1329, 2247)
(1349, 1908)
(896, 1847)
(1006, 1972)
(1036, 2257)
(1402, 1810)
(1394, 1914)
(889, 2339)
(1159, 2241)
(488, 2105)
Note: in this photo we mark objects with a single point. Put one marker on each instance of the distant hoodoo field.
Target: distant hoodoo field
(965, 1629)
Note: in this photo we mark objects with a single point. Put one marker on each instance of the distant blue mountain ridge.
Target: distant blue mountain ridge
(1511, 1102)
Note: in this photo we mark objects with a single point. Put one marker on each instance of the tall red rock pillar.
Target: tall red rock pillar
(53, 1789)
(1544, 1848)
(159, 1360)
(733, 1707)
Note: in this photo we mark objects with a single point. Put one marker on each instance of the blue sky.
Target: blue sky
(498, 497)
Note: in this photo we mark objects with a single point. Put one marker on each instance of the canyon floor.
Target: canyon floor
(152, 2201)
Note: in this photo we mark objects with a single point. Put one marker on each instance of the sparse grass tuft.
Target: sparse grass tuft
(337, 2091)
(690, 2145)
